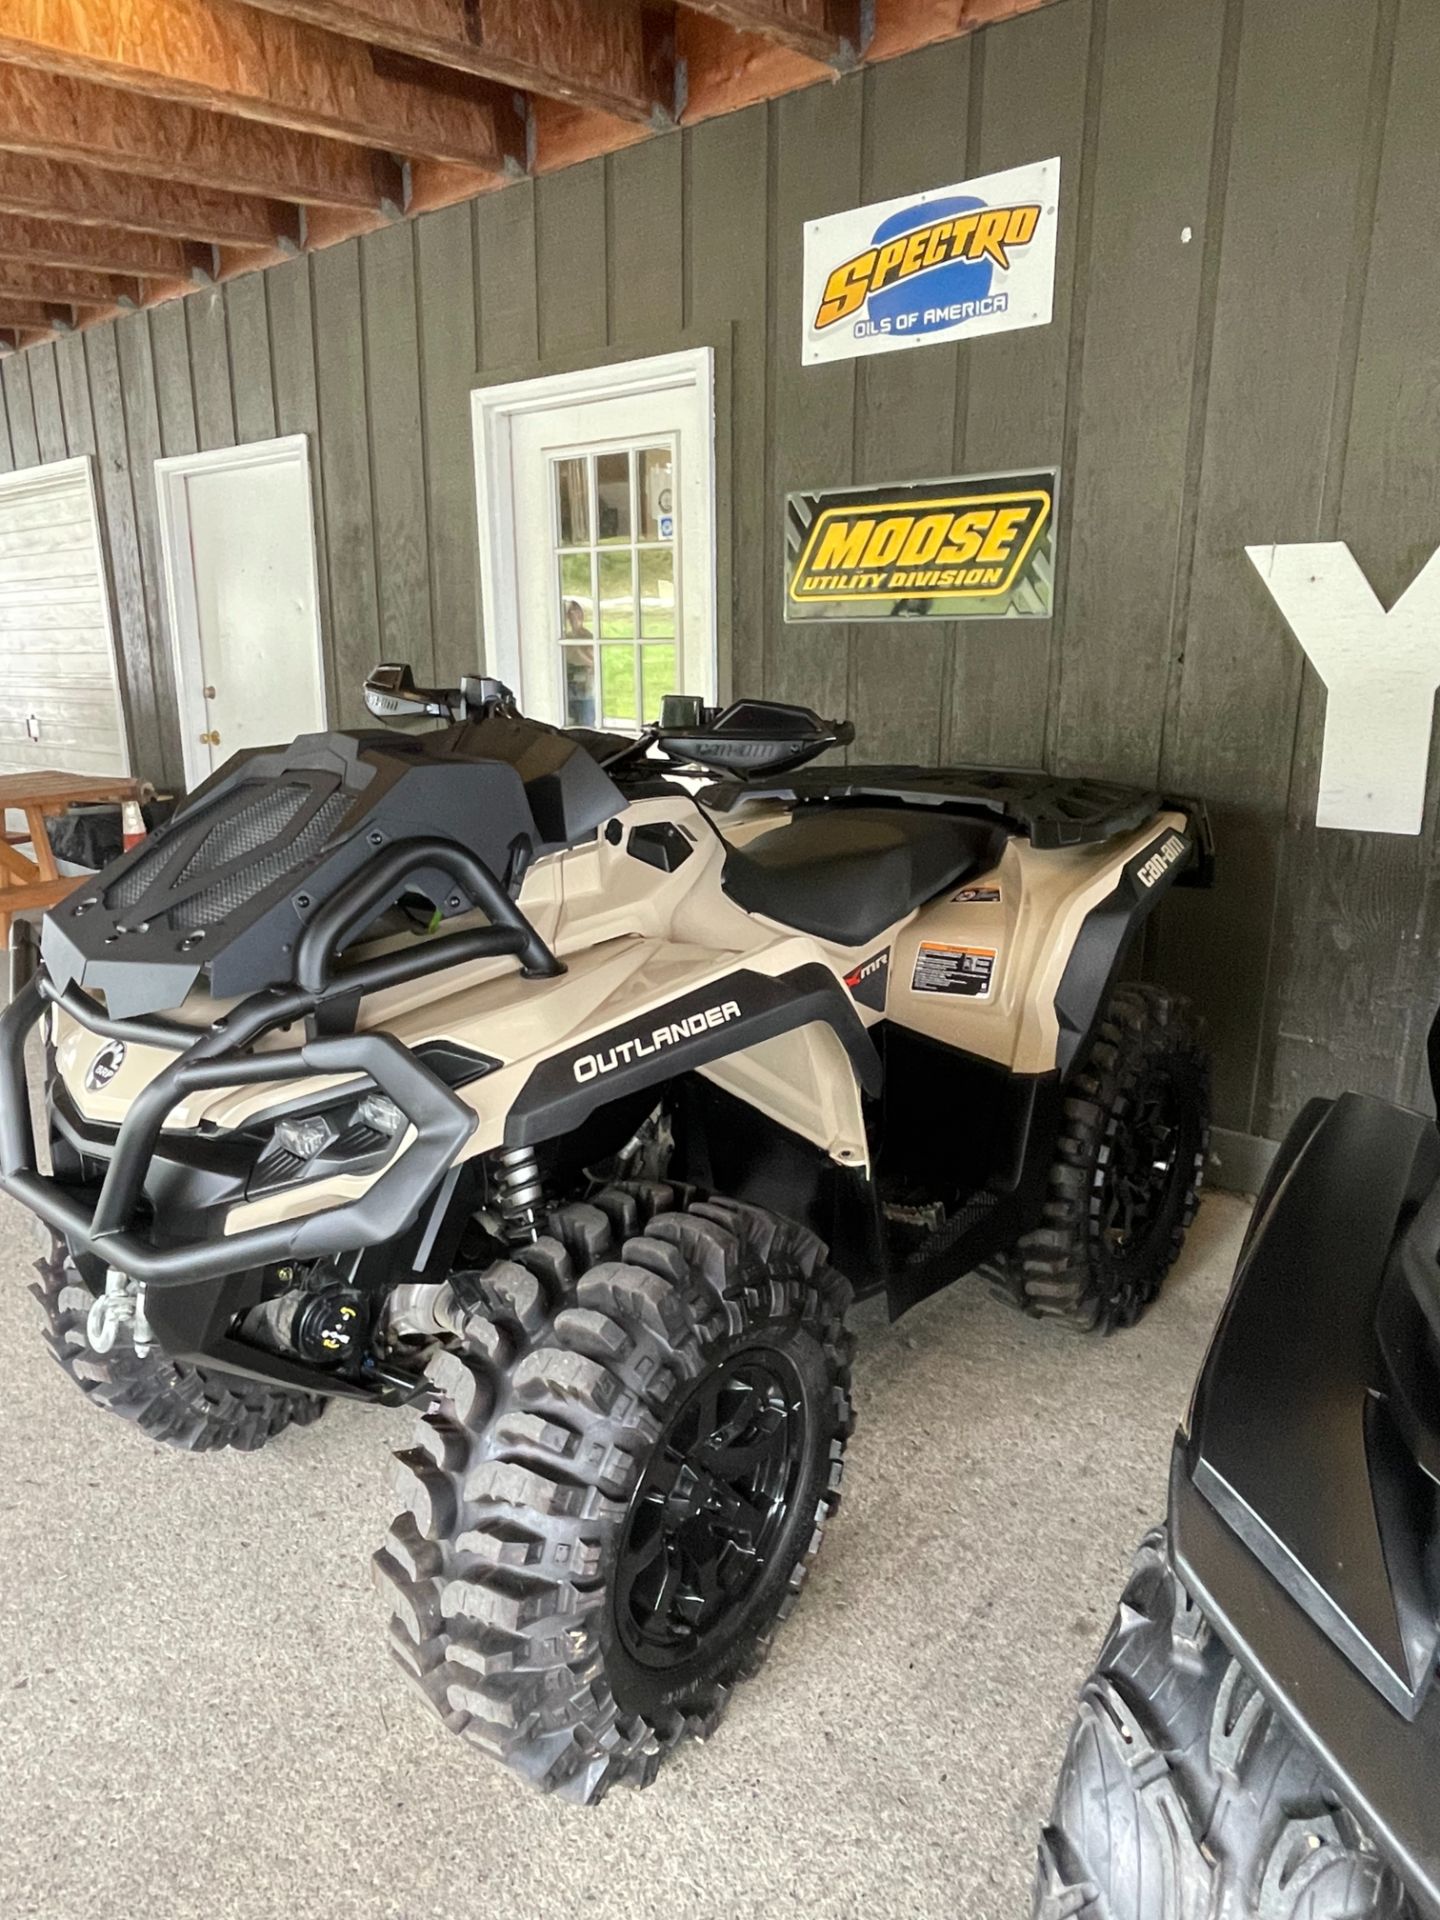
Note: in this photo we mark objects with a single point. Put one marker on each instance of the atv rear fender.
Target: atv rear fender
(1305, 1488)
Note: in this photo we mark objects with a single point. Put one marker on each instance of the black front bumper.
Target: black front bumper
(1304, 1518)
(320, 997)
(111, 1224)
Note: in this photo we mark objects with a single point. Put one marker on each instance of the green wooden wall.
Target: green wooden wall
(1244, 349)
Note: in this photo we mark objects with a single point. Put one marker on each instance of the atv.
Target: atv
(565, 1087)
(1261, 1736)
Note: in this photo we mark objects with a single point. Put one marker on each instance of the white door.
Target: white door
(239, 552)
(59, 691)
(597, 516)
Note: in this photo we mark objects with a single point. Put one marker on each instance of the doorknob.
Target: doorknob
(209, 739)
(209, 693)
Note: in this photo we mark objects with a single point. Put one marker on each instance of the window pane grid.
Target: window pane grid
(614, 546)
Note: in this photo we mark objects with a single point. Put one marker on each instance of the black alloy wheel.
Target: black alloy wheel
(1145, 1163)
(1129, 1161)
(635, 1447)
(710, 1510)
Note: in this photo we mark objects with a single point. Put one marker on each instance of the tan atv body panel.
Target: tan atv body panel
(635, 939)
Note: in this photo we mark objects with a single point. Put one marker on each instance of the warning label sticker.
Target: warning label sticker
(945, 969)
(977, 896)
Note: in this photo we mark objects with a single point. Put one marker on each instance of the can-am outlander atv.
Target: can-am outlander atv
(491, 1071)
(1261, 1737)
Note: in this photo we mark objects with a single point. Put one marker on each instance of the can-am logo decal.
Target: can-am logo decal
(104, 1067)
(1161, 861)
(977, 546)
(976, 257)
(590, 1066)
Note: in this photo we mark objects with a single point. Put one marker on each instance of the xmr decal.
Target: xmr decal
(976, 547)
(977, 897)
(868, 981)
(940, 968)
(978, 257)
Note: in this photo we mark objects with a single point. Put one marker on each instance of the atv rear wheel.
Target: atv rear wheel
(193, 1408)
(623, 1484)
(1128, 1167)
(1183, 1792)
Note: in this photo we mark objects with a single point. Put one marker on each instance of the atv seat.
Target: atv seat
(847, 873)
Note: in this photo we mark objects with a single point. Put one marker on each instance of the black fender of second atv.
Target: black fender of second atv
(1303, 1513)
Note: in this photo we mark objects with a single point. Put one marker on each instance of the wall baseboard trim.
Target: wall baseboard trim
(1239, 1162)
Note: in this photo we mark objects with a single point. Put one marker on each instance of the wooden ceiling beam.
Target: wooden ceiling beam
(57, 118)
(224, 55)
(59, 190)
(34, 280)
(823, 30)
(618, 57)
(140, 256)
(40, 315)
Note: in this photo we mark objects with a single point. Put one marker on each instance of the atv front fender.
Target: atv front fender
(1302, 1519)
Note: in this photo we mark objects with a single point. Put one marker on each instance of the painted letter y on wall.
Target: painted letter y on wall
(1380, 671)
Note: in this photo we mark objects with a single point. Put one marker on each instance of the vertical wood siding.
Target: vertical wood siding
(1243, 350)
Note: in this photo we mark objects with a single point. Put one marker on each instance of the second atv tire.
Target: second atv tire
(196, 1409)
(1128, 1167)
(1184, 1794)
(623, 1485)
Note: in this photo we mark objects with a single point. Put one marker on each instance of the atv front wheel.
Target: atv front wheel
(193, 1408)
(1128, 1167)
(1183, 1792)
(623, 1485)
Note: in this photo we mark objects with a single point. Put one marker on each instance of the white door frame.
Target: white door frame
(493, 412)
(52, 473)
(182, 618)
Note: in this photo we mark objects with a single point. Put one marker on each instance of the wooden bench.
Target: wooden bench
(32, 884)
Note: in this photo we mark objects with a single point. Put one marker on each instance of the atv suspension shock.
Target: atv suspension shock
(519, 1193)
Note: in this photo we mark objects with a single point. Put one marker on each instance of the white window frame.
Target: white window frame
(182, 618)
(52, 473)
(493, 412)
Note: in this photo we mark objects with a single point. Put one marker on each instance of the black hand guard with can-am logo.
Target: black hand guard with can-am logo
(370, 1071)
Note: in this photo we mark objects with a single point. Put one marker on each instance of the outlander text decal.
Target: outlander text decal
(590, 1065)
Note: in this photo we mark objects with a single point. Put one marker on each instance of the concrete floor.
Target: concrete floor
(199, 1717)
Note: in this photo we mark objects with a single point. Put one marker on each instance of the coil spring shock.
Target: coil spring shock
(519, 1193)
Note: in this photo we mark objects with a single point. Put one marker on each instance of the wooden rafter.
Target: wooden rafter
(618, 57)
(824, 30)
(142, 256)
(222, 54)
(62, 119)
(59, 190)
(35, 280)
(40, 315)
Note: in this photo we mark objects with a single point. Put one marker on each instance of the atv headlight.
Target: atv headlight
(354, 1135)
(380, 1113)
(303, 1136)
(355, 1132)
